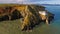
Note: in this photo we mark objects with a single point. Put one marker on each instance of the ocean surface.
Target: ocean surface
(54, 27)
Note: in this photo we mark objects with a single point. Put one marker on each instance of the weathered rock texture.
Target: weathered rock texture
(29, 13)
(32, 17)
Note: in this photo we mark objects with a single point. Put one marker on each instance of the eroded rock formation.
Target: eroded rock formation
(29, 13)
(32, 17)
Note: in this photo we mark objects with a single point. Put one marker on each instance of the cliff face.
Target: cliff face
(32, 17)
(30, 14)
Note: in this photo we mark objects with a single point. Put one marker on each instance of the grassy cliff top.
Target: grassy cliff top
(1, 5)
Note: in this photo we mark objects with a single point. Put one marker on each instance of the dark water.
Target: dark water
(54, 27)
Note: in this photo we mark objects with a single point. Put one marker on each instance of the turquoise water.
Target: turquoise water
(54, 27)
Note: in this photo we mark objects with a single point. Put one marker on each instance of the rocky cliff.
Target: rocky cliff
(29, 13)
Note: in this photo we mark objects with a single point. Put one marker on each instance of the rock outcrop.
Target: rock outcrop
(29, 13)
(46, 16)
(32, 17)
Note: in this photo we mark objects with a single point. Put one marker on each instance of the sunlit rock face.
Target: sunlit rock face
(45, 15)
(42, 12)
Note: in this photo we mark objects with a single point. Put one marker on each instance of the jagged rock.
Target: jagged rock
(30, 14)
(46, 16)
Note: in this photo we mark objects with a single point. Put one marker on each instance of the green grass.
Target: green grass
(3, 5)
(14, 27)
